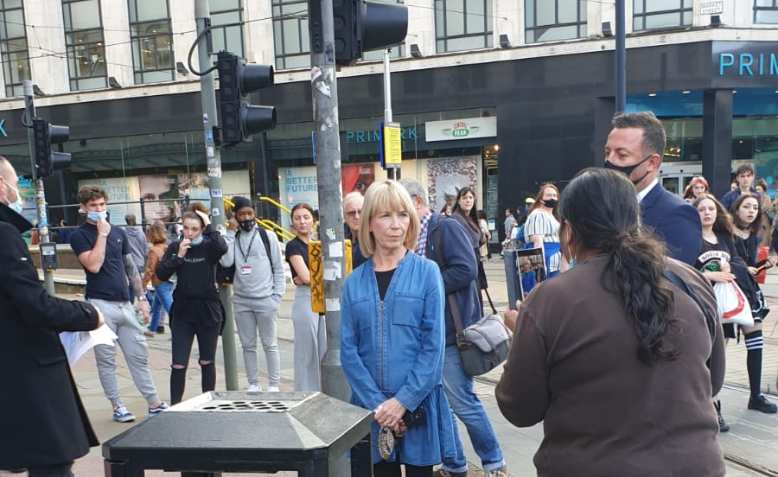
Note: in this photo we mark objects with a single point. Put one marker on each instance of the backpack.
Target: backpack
(226, 275)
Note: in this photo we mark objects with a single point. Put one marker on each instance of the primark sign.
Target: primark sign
(746, 60)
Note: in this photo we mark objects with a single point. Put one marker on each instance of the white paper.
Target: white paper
(76, 343)
(332, 304)
(336, 249)
(331, 270)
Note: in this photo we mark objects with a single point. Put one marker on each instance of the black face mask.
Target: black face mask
(627, 170)
(550, 203)
(247, 225)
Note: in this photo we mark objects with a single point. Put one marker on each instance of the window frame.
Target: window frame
(758, 8)
(581, 24)
(279, 51)
(71, 48)
(13, 89)
(487, 34)
(223, 29)
(136, 41)
(643, 16)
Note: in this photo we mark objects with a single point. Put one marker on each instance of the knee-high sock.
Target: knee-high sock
(209, 376)
(177, 383)
(754, 345)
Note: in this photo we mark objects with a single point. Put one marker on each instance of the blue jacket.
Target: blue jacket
(394, 348)
(674, 221)
(728, 199)
(459, 268)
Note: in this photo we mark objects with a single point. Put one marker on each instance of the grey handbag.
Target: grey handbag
(482, 345)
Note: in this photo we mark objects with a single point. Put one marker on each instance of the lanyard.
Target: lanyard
(251, 244)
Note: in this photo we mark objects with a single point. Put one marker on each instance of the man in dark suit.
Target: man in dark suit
(43, 421)
(635, 147)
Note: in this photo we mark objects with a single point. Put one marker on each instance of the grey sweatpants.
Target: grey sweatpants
(120, 317)
(310, 342)
(262, 317)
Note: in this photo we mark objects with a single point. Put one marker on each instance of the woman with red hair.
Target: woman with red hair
(697, 186)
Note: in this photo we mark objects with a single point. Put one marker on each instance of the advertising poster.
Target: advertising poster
(356, 177)
(297, 185)
(119, 189)
(446, 176)
(27, 192)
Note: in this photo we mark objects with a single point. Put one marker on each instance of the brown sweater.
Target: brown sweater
(156, 252)
(574, 365)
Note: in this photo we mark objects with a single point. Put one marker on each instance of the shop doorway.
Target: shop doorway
(676, 176)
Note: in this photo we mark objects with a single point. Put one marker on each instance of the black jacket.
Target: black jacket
(41, 416)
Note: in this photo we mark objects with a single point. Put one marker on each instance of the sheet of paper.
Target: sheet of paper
(76, 343)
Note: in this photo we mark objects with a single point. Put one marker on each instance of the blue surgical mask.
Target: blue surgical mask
(18, 205)
(197, 240)
(96, 216)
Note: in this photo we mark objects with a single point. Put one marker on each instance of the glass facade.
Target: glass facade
(227, 38)
(85, 44)
(551, 20)
(463, 25)
(290, 34)
(765, 11)
(650, 14)
(152, 41)
(14, 54)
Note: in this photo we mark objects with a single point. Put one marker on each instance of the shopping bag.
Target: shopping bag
(733, 305)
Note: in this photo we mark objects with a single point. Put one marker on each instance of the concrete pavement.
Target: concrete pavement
(753, 440)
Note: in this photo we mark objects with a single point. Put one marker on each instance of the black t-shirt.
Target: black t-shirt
(196, 271)
(384, 279)
(713, 255)
(747, 249)
(296, 247)
(110, 283)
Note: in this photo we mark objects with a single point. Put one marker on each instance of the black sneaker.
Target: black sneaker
(761, 404)
(723, 426)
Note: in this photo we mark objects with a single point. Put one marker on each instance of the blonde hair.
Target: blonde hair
(386, 196)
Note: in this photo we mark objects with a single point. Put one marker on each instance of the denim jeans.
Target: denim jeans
(163, 297)
(468, 408)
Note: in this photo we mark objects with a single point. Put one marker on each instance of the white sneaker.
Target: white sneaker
(273, 389)
(253, 388)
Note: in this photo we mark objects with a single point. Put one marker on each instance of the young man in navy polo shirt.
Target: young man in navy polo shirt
(105, 254)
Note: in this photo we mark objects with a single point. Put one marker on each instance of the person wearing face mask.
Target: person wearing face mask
(54, 429)
(635, 148)
(611, 355)
(542, 228)
(104, 253)
(196, 309)
(258, 286)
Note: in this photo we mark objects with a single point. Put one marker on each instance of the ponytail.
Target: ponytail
(635, 272)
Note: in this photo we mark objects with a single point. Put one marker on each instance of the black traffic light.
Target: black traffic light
(363, 26)
(46, 162)
(238, 119)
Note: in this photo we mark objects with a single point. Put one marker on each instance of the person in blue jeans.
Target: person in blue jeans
(446, 242)
(163, 290)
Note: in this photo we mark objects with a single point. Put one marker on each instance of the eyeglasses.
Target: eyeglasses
(354, 213)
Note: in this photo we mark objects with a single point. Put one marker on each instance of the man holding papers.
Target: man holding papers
(41, 413)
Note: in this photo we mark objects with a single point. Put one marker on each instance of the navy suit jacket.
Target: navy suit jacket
(674, 221)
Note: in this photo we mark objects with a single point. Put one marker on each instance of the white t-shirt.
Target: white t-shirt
(546, 225)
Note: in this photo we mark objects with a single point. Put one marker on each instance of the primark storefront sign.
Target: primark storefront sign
(746, 59)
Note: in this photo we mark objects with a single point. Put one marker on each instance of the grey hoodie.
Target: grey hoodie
(263, 281)
(139, 247)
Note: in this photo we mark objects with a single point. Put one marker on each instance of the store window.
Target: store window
(85, 44)
(152, 41)
(463, 25)
(765, 11)
(650, 14)
(290, 32)
(552, 20)
(227, 23)
(13, 47)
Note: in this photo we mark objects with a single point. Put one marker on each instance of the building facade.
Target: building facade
(502, 95)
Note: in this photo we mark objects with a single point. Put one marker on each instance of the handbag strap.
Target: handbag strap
(453, 306)
(489, 297)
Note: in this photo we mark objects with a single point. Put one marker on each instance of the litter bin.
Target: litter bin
(245, 432)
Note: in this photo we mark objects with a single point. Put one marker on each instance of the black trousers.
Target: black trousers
(392, 469)
(183, 333)
(61, 470)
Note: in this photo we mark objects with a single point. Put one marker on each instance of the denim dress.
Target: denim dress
(394, 348)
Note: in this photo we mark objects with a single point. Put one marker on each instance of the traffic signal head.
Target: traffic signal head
(46, 162)
(239, 120)
(363, 26)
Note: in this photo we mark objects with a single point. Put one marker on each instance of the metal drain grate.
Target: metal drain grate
(243, 405)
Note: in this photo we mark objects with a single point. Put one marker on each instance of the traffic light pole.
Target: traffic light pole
(40, 193)
(620, 63)
(393, 172)
(325, 115)
(213, 157)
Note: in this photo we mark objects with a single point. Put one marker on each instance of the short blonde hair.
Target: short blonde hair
(382, 196)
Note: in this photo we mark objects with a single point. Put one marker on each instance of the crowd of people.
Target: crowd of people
(624, 318)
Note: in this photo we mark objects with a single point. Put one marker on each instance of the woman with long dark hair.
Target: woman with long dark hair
(466, 213)
(196, 309)
(612, 336)
(310, 333)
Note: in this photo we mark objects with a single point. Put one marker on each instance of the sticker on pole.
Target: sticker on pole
(392, 147)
